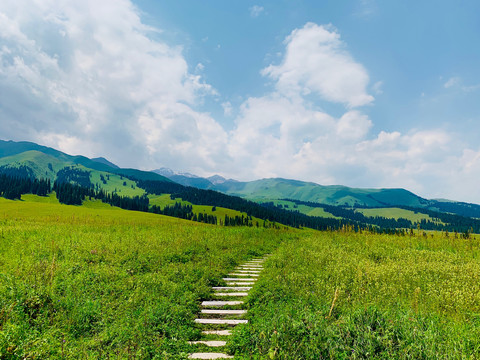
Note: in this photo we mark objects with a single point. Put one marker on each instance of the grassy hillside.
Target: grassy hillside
(268, 189)
(276, 190)
(219, 212)
(304, 209)
(43, 165)
(38, 157)
(80, 282)
(363, 296)
(37, 161)
(95, 281)
(396, 213)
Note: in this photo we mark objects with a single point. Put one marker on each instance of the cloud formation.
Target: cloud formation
(256, 10)
(286, 134)
(87, 77)
(90, 78)
(316, 61)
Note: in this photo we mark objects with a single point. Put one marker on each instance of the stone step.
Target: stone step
(238, 279)
(221, 321)
(209, 356)
(224, 312)
(221, 303)
(251, 267)
(236, 274)
(247, 271)
(211, 343)
(240, 283)
(231, 294)
(217, 332)
(233, 288)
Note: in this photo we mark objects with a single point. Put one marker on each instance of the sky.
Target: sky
(362, 93)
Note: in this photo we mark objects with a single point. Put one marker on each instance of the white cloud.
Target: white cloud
(377, 87)
(457, 82)
(366, 9)
(227, 108)
(87, 75)
(283, 134)
(88, 78)
(316, 61)
(256, 10)
(353, 125)
(453, 81)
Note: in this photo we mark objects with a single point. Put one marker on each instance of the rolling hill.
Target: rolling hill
(289, 202)
(277, 189)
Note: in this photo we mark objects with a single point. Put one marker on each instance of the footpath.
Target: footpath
(218, 316)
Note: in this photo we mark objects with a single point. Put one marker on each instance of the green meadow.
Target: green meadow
(98, 282)
(396, 213)
(219, 212)
(94, 281)
(361, 296)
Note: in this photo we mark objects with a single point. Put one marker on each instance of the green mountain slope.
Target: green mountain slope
(38, 158)
(38, 161)
(268, 189)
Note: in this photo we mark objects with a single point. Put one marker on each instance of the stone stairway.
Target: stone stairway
(217, 316)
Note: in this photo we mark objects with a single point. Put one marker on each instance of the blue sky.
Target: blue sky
(411, 47)
(363, 93)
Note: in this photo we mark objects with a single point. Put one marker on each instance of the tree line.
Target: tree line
(439, 221)
(14, 187)
(72, 194)
(183, 211)
(69, 190)
(213, 198)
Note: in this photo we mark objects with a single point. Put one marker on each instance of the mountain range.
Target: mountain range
(265, 190)
(43, 162)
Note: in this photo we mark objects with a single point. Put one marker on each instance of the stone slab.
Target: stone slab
(231, 294)
(212, 343)
(238, 279)
(240, 283)
(236, 274)
(221, 303)
(217, 332)
(232, 288)
(221, 321)
(209, 356)
(224, 312)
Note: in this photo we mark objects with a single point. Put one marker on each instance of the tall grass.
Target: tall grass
(363, 296)
(78, 282)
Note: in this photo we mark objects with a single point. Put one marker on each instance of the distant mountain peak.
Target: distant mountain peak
(164, 171)
(104, 161)
(186, 174)
(167, 172)
(216, 179)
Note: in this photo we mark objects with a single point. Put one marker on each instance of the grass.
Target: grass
(82, 282)
(362, 296)
(120, 184)
(220, 212)
(396, 213)
(100, 282)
